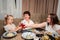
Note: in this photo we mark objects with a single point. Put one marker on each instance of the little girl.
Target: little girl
(10, 27)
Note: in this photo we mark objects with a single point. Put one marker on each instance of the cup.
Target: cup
(22, 26)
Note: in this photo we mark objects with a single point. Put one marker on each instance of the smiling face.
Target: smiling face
(52, 19)
(26, 16)
(49, 19)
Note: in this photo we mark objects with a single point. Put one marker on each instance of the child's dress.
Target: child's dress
(9, 27)
(27, 23)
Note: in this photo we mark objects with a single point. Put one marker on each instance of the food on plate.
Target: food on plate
(45, 37)
(10, 34)
(28, 35)
(49, 33)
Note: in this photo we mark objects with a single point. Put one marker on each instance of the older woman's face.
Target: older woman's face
(49, 19)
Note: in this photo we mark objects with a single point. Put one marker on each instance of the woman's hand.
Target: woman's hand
(40, 25)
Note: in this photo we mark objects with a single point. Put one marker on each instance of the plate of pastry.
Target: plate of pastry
(8, 35)
(28, 35)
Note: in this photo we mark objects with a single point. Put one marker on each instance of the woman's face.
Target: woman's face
(26, 16)
(49, 19)
(10, 20)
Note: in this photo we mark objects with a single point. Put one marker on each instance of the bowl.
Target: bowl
(9, 35)
(28, 35)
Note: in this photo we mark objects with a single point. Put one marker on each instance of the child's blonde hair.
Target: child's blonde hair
(6, 18)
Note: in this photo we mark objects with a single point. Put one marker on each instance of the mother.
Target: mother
(51, 25)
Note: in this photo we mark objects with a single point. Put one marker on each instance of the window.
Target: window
(13, 7)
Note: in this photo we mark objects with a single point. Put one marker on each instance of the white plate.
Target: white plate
(4, 35)
(26, 34)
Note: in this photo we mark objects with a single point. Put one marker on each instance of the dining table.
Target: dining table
(19, 37)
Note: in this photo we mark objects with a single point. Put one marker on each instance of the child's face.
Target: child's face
(10, 20)
(26, 16)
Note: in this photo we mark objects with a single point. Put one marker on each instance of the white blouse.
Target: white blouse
(52, 30)
(9, 27)
(26, 22)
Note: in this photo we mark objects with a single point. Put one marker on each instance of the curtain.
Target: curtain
(39, 9)
(12, 7)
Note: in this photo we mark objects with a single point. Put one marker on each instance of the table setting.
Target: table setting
(29, 34)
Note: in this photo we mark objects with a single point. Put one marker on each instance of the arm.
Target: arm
(37, 25)
(16, 29)
(58, 31)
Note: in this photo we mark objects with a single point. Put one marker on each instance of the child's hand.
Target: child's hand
(22, 26)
